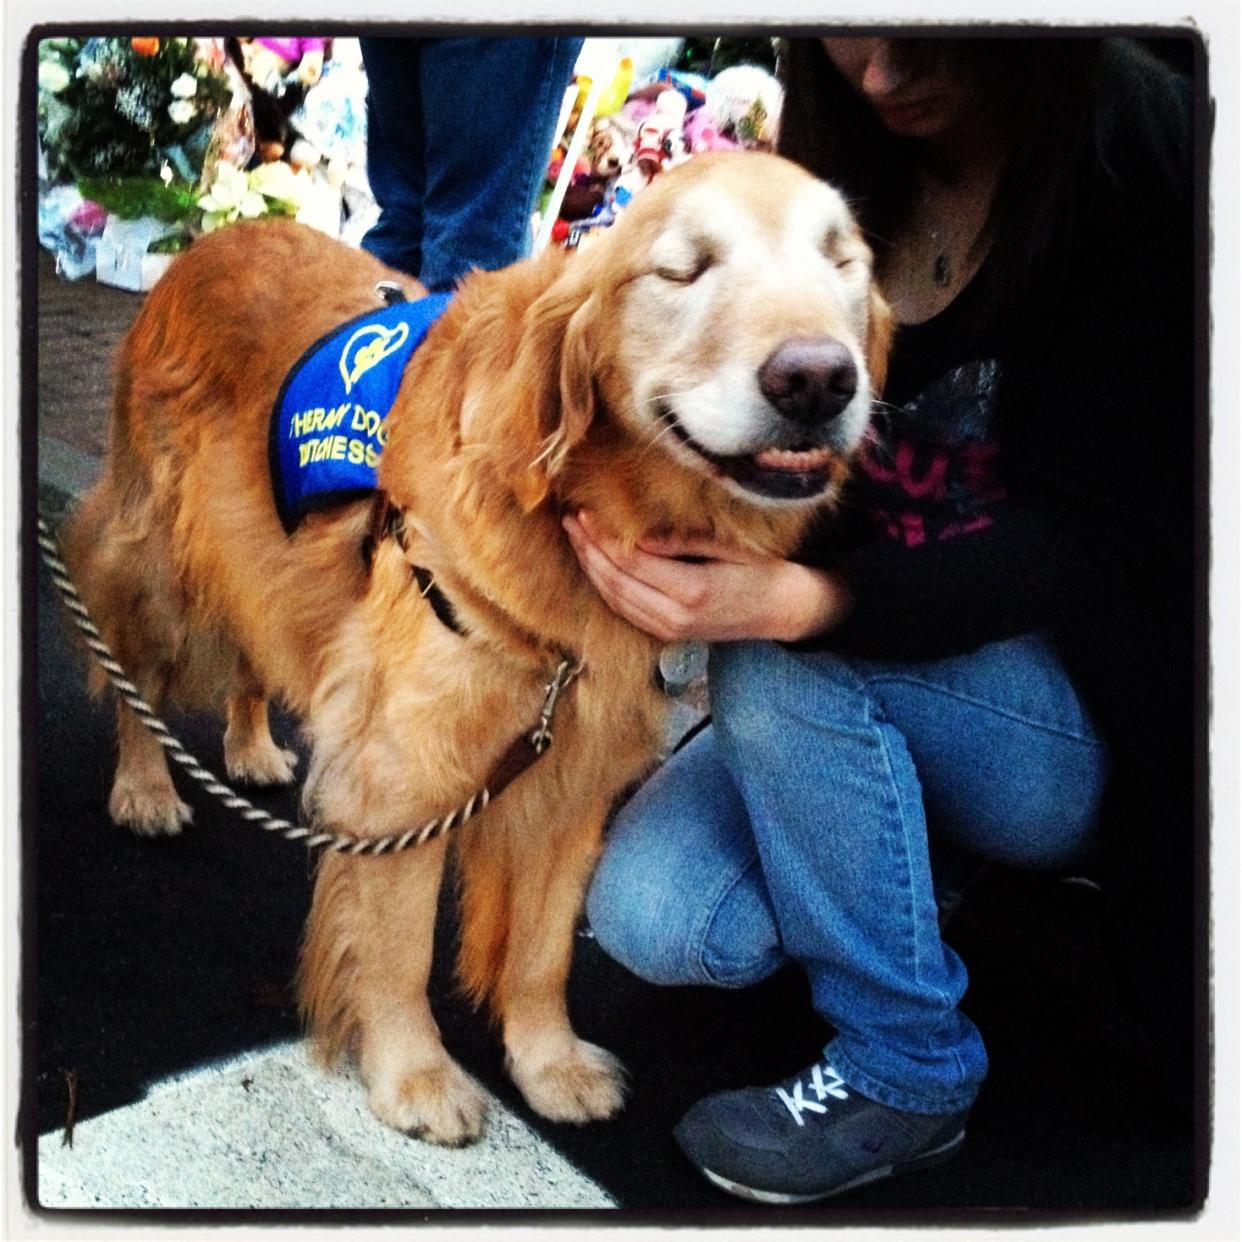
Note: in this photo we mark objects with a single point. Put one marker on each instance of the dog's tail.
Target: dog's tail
(120, 561)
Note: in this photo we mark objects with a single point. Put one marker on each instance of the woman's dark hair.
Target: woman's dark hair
(1070, 103)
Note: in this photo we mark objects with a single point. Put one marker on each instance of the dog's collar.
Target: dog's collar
(437, 599)
(677, 666)
(388, 522)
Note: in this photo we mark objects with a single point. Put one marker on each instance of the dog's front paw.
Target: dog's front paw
(442, 1105)
(587, 1083)
(266, 764)
(148, 810)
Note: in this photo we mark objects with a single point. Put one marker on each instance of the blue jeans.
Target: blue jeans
(459, 134)
(797, 827)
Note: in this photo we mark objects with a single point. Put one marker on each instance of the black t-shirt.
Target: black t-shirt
(929, 469)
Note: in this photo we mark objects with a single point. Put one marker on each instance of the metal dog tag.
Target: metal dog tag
(682, 663)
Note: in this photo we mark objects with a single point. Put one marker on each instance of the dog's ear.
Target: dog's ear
(879, 339)
(565, 422)
(546, 398)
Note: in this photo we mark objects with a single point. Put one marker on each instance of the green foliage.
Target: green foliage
(170, 243)
(105, 109)
(750, 127)
(129, 198)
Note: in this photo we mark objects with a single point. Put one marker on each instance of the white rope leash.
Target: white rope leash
(337, 842)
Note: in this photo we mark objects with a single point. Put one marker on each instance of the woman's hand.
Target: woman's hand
(728, 594)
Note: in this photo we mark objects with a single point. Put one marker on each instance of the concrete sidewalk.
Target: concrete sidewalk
(271, 1130)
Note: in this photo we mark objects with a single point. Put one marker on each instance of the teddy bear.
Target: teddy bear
(744, 106)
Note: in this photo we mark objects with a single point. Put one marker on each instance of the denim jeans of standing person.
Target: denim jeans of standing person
(459, 134)
(796, 827)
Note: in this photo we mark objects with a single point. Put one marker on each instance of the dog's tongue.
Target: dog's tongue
(799, 461)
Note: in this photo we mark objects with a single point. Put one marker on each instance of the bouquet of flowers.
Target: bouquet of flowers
(126, 107)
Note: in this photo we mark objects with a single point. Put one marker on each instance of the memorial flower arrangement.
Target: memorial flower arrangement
(127, 107)
(270, 189)
(144, 142)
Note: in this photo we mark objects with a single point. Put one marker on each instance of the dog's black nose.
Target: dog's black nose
(810, 379)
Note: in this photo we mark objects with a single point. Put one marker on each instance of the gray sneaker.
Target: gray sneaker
(809, 1137)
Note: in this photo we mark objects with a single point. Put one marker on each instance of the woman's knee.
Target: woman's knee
(722, 935)
(678, 896)
(739, 943)
(635, 922)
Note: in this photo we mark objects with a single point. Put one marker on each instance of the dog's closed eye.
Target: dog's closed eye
(846, 252)
(688, 271)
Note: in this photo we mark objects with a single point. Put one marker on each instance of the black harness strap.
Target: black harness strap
(386, 523)
(437, 599)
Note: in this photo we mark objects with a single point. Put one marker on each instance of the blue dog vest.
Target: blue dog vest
(328, 423)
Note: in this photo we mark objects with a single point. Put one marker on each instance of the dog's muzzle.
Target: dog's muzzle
(808, 383)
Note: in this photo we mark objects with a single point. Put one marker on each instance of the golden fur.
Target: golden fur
(534, 394)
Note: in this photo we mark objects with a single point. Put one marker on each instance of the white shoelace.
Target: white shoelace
(823, 1087)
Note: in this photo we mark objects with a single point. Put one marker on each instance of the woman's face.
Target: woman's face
(910, 102)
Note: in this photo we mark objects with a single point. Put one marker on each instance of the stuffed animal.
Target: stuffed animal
(583, 197)
(610, 145)
(273, 60)
(744, 104)
(278, 72)
(331, 123)
(702, 135)
(659, 143)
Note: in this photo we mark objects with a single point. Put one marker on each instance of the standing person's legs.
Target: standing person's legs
(490, 107)
(396, 150)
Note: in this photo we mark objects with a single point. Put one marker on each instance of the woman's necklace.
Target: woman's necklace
(941, 242)
(945, 235)
(952, 234)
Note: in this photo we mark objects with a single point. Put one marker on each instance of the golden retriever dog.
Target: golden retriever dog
(704, 369)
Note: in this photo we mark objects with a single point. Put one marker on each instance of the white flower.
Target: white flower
(182, 111)
(278, 182)
(227, 188)
(53, 76)
(230, 196)
(185, 86)
(166, 173)
(252, 205)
